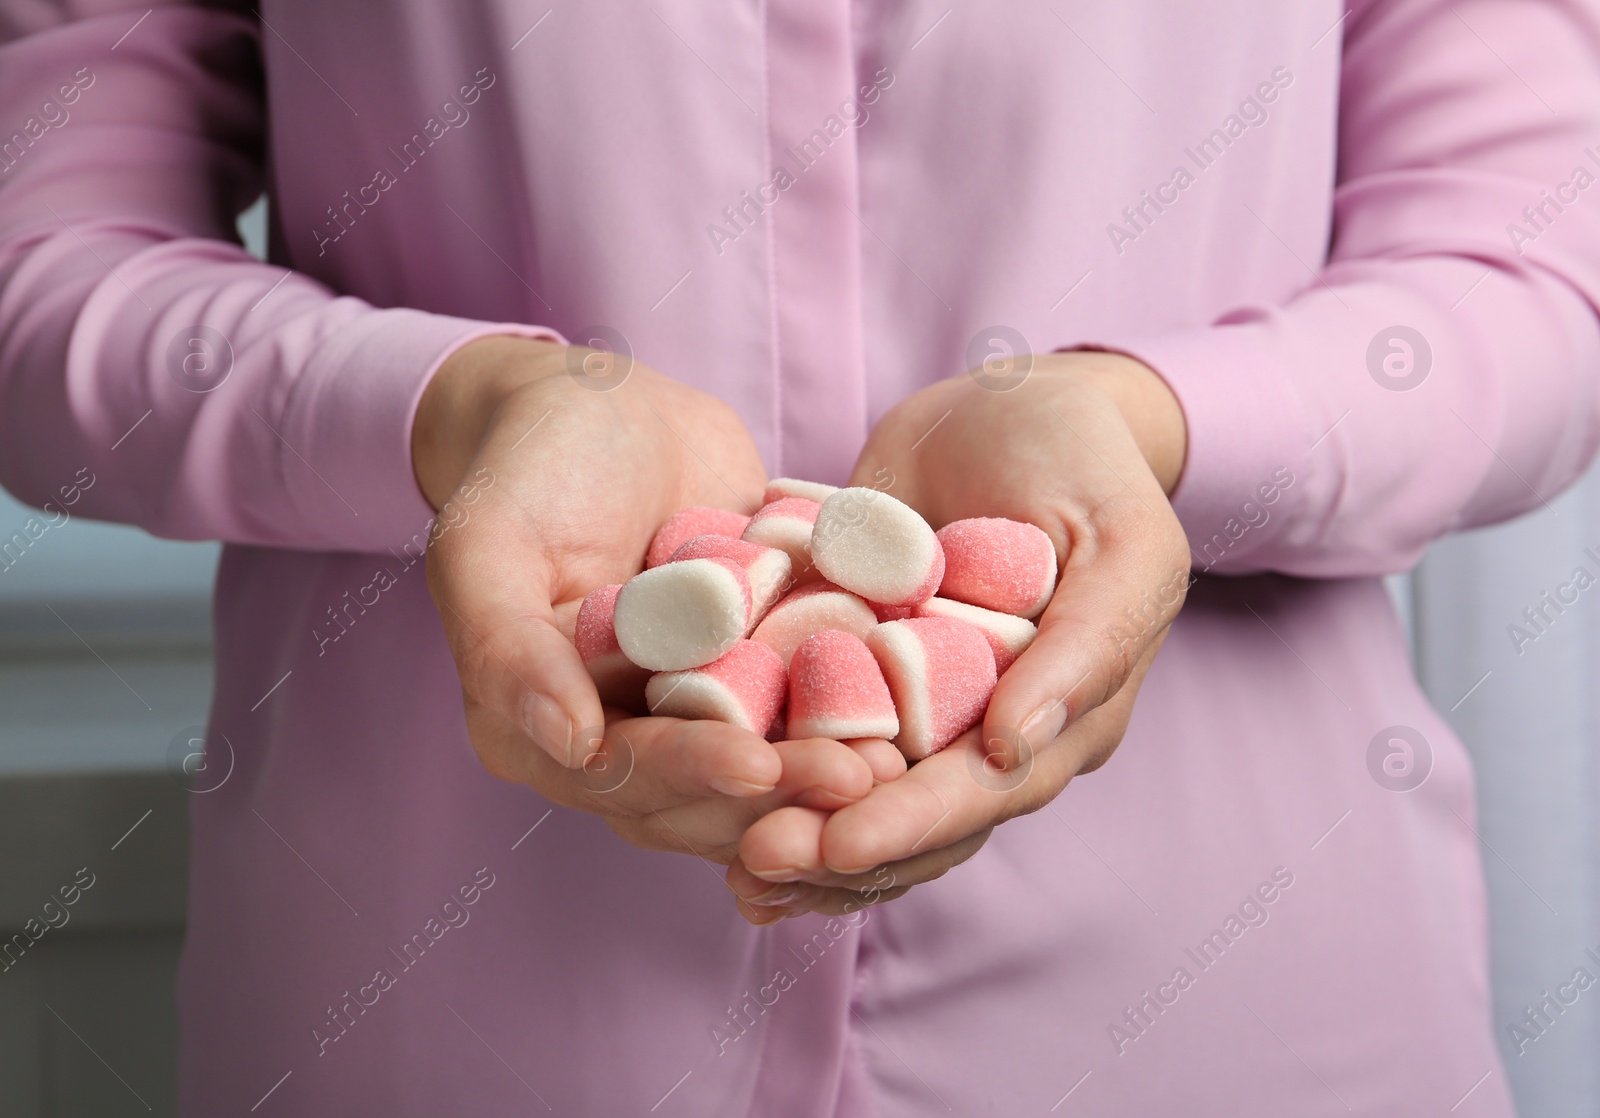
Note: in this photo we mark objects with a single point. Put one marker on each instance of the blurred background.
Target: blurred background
(105, 668)
(105, 671)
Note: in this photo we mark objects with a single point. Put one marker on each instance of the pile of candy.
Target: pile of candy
(835, 613)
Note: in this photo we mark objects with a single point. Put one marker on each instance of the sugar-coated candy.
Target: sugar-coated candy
(685, 525)
(618, 680)
(834, 613)
(837, 690)
(786, 524)
(878, 547)
(940, 672)
(1008, 635)
(780, 487)
(744, 687)
(999, 564)
(682, 615)
(811, 609)
(767, 568)
(594, 635)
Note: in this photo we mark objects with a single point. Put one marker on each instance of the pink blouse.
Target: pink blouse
(1361, 244)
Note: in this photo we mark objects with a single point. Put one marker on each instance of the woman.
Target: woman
(1326, 278)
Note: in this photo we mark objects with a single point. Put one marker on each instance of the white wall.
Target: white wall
(1532, 725)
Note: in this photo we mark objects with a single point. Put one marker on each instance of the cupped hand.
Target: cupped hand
(551, 468)
(1087, 447)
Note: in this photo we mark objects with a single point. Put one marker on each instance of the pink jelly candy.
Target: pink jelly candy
(1003, 565)
(744, 687)
(685, 525)
(837, 690)
(941, 674)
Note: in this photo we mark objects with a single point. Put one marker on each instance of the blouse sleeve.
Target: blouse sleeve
(1440, 372)
(200, 393)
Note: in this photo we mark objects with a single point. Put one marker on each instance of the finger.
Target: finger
(956, 792)
(757, 915)
(886, 762)
(759, 891)
(785, 845)
(886, 882)
(653, 763)
(764, 902)
(682, 830)
(841, 893)
(844, 902)
(1082, 747)
(492, 585)
(818, 774)
(822, 773)
(634, 765)
(791, 843)
(565, 616)
(1125, 580)
(941, 800)
(761, 902)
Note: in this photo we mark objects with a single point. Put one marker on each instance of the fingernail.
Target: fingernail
(781, 897)
(761, 917)
(741, 788)
(546, 723)
(1040, 728)
(780, 874)
(851, 871)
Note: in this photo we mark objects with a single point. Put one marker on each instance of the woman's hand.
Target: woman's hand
(572, 457)
(1087, 448)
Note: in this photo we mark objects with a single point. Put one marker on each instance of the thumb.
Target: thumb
(494, 598)
(1107, 613)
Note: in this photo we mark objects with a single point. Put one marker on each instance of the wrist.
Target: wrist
(460, 401)
(1147, 403)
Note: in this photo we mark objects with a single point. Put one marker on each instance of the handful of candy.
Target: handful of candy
(835, 613)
